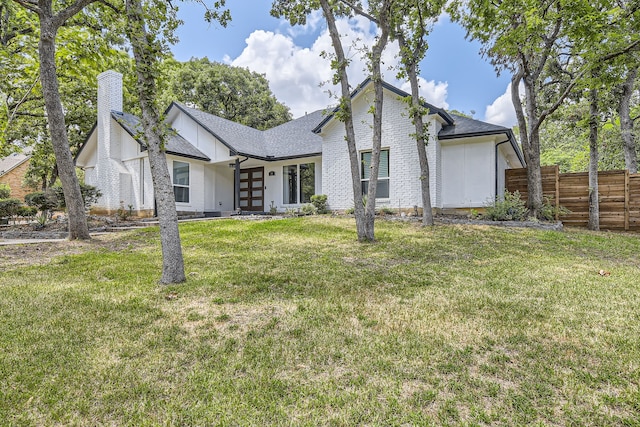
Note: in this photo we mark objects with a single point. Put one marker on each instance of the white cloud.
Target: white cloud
(434, 93)
(296, 74)
(314, 21)
(501, 111)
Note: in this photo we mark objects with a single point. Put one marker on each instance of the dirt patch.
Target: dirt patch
(41, 253)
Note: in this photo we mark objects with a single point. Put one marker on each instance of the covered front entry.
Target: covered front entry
(252, 189)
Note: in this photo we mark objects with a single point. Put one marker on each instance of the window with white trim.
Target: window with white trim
(382, 191)
(181, 181)
(298, 183)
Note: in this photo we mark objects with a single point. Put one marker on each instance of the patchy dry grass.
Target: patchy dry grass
(292, 322)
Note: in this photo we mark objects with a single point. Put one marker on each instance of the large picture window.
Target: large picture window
(181, 181)
(382, 192)
(298, 183)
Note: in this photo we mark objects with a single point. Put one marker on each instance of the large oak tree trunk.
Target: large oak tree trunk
(145, 55)
(78, 228)
(626, 123)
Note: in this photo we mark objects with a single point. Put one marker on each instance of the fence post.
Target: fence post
(626, 199)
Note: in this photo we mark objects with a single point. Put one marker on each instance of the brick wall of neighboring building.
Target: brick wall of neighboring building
(14, 178)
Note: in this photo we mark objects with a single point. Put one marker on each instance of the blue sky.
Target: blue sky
(455, 75)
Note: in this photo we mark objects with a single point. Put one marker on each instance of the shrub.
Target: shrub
(309, 209)
(320, 203)
(43, 201)
(5, 191)
(549, 210)
(90, 195)
(122, 213)
(27, 211)
(510, 208)
(386, 210)
(9, 207)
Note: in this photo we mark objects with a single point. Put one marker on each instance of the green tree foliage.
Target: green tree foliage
(82, 52)
(552, 50)
(233, 93)
(565, 141)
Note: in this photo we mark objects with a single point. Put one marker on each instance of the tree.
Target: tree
(379, 11)
(413, 23)
(296, 12)
(626, 121)
(534, 40)
(233, 93)
(51, 18)
(148, 47)
(82, 52)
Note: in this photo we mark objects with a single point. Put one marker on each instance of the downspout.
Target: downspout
(496, 169)
(236, 202)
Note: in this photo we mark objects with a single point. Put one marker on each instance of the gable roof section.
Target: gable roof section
(176, 144)
(432, 109)
(293, 139)
(11, 162)
(465, 127)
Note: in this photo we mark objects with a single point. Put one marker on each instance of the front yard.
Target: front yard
(292, 322)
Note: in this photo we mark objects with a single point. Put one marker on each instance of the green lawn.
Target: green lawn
(292, 322)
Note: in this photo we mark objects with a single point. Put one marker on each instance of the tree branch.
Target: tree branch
(360, 11)
(24, 98)
(31, 5)
(69, 11)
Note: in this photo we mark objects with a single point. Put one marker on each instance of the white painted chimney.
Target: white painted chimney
(108, 164)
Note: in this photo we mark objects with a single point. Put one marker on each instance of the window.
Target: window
(181, 181)
(307, 182)
(382, 192)
(298, 183)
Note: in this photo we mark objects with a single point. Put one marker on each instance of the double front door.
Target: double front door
(251, 195)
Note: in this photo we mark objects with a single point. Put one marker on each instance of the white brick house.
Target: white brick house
(220, 166)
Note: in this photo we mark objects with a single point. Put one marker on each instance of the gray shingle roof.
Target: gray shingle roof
(294, 138)
(290, 140)
(467, 127)
(12, 161)
(175, 145)
(464, 126)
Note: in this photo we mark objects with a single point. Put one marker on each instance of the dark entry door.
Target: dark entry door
(252, 189)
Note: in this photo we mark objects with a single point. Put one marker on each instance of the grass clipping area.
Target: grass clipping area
(292, 322)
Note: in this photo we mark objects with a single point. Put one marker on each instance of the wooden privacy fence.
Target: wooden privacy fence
(619, 193)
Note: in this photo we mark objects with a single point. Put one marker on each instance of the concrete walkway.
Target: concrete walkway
(5, 242)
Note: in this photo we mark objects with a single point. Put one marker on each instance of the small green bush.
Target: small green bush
(385, 210)
(43, 201)
(27, 211)
(5, 191)
(510, 208)
(90, 195)
(9, 207)
(309, 209)
(549, 210)
(320, 203)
